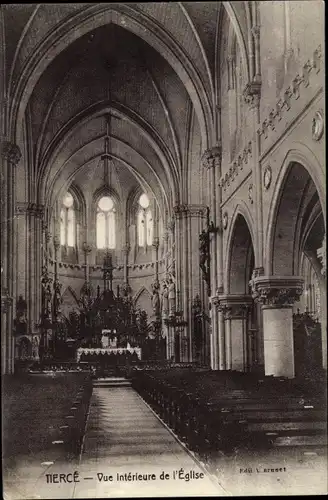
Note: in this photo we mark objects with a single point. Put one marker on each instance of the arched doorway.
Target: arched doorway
(243, 346)
(297, 238)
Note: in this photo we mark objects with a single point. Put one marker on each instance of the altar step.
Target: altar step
(111, 382)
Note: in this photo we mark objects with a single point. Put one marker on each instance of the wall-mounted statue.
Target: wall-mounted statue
(155, 299)
(165, 301)
(204, 255)
(172, 297)
(21, 316)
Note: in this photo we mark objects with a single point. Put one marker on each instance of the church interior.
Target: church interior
(163, 248)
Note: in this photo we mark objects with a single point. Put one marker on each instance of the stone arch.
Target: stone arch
(240, 37)
(241, 252)
(85, 22)
(142, 299)
(135, 121)
(304, 156)
(296, 230)
(79, 198)
(294, 202)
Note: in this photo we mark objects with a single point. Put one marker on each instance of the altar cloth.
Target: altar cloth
(107, 350)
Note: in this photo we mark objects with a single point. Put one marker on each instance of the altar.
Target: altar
(97, 354)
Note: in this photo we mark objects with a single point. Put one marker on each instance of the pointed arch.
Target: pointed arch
(240, 260)
(142, 290)
(240, 37)
(303, 156)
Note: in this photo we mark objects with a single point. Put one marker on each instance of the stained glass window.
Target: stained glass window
(145, 222)
(106, 237)
(68, 221)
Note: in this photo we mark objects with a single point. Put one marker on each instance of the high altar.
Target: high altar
(110, 324)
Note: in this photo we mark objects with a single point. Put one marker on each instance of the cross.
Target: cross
(108, 271)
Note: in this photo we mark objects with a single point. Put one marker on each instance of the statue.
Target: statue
(57, 297)
(155, 298)
(203, 250)
(21, 320)
(165, 300)
(35, 348)
(171, 296)
(48, 306)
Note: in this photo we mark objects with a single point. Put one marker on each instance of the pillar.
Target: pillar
(126, 289)
(322, 256)
(211, 160)
(189, 221)
(252, 93)
(235, 309)
(10, 157)
(35, 217)
(277, 296)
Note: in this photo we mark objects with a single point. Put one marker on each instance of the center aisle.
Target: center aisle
(126, 441)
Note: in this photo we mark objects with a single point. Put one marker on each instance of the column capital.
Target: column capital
(234, 306)
(185, 210)
(256, 31)
(126, 249)
(278, 291)
(86, 247)
(125, 289)
(48, 235)
(252, 94)
(21, 207)
(6, 301)
(212, 157)
(35, 210)
(56, 242)
(165, 236)
(11, 152)
(155, 243)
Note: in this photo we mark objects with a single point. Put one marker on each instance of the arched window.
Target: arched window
(145, 222)
(68, 221)
(106, 223)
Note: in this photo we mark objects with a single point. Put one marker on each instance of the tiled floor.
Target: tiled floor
(125, 437)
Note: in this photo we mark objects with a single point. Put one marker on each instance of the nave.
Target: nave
(163, 219)
(102, 433)
(124, 436)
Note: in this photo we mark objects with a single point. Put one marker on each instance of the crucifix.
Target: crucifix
(108, 272)
(204, 249)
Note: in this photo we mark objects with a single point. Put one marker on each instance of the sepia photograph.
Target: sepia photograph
(163, 249)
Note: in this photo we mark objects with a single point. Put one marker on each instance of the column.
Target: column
(252, 94)
(277, 296)
(322, 256)
(211, 160)
(21, 248)
(214, 338)
(10, 156)
(126, 289)
(189, 223)
(35, 218)
(87, 249)
(235, 309)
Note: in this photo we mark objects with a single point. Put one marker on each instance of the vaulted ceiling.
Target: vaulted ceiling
(150, 66)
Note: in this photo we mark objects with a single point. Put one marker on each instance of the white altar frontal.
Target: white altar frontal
(107, 351)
